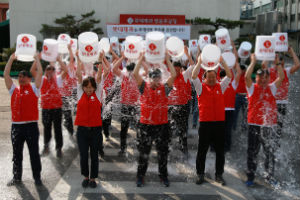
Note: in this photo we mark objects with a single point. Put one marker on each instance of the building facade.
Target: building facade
(28, 17)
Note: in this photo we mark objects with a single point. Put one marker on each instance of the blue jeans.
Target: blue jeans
(195, 109)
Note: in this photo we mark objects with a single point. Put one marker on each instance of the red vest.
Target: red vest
(283, 90)
(189, 90)
(262, 108)
(50, 94)
(201, 74)
(242, 85)
(211, 104)
(24, 104)
(229, 97)
(88, 111)
(129, 91)
(178, 96)
(108, 82)
(154, 106)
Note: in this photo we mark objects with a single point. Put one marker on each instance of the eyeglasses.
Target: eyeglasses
(262, 72)
(50, 68)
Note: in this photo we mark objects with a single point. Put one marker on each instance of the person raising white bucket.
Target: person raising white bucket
(210, 57)
(26, 47)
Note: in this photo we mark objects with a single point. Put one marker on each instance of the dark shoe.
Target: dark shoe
(165, 181)
(200, 179)
(38, 182)
(45, 151)
(249, 183)
(140, 182)
(58, 153)
(219, 179)
(85, 183)
(101, 153)
(93, 184)
(14, 182)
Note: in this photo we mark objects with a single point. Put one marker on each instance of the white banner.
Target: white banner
(121, 31)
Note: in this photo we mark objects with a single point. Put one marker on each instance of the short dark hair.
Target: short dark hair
(155, 73)
(204, 75)
(88, 80)
(177, 64)
(261, 72)
(25, 73)
(243, 67)
(222, 73)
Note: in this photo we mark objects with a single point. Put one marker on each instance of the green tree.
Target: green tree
(72, 26)
(215, 25)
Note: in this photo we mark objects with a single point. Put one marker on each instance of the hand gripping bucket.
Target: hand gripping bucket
(175, 48)
(104, 45)
(265, 48)
(210, 57)
(223, 38)
(63, 41)
(50, 50)
(155, 47)
(229, 58)
(133, 47)
(203, 41)
(281, 42)
(26, 47)
(88, 47)
(245, 50)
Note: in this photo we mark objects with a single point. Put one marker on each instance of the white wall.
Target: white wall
(26, 16)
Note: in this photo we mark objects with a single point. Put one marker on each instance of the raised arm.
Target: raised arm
(296, 65)
(136, 74)
(63, 67)
(116, 69)
(172, 70)
(71, 55)
(78, 70)
(227, 70)
(238, 73)
(196, 68)
(99, 73)
(186, 51)
(250, 71)
(280, 77)
(33, 69)
(113, 53)
(7, 78)
(39, 72)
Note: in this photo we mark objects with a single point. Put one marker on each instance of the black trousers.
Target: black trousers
(67, 114)
(106, 121)
(29, 133)
(178, 122)
(129, 114)
(49, 117)
(281, 110)
(88, 139)
(211, 133)
(229, 117)
(267, 137)
(147, 134)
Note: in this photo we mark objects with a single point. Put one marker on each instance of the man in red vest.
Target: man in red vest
(129, 100)
(282, 92)
(25, 115)
(211, 117)
(262, 119)
(154, 120)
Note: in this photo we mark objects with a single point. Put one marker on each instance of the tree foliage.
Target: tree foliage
(71, 25)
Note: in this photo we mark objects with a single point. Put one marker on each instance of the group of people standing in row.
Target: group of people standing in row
(163, 107)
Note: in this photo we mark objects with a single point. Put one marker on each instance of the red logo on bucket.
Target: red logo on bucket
(246, 53)
(72, 42)
(45, 48)
(152, 46)
(89, 48)
(282, 38)
(267, 44)
(114, 44)
(131, 46)
(223, 41)
(211, 64)
(25, 39)
(62, 36)
(194, 42)
(205, 38)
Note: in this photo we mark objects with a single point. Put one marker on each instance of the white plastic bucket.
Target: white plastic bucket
(245, 50)
(175, 47)
(133, 47)
(50, 50)
(210, 57)
(229, 58)
(114, 42)
(155, 47)
(223, 38)
(143, 46)
(26, 47)
(193, 44)
(73, 44)
(63, 41)
(104, 45)
(265, 48)
(281, 42)
(204, 40)
(88, 47)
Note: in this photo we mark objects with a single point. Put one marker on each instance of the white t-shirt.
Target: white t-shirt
(198, 85)
(59, 81)
(98, 90)
(272, 87)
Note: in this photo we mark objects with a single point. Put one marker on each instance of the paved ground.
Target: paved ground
(62, 179)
